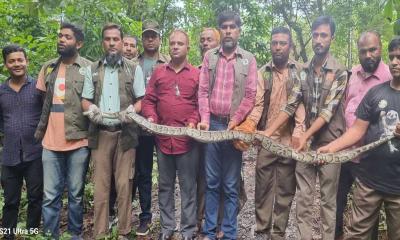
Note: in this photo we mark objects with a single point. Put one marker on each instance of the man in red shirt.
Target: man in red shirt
(171, 99)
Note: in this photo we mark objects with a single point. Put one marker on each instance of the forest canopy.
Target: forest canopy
(34, 23)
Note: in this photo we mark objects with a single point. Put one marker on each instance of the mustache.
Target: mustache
(370, 61)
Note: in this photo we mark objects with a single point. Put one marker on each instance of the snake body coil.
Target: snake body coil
(267, 143)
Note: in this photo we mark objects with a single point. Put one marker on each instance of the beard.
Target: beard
(229, 44)
(370, 65)
(113, 58)
(320, 50)
(280, 60)
(68, 51)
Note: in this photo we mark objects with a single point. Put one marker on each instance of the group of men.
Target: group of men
(64, 119)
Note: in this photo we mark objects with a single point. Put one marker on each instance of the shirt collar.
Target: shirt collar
(161, 57)
(77, 61)
(29, 80)
(329, 63)
(235, 53)
(185, 67)
(379, 72)
(271, 66)
(104, 62)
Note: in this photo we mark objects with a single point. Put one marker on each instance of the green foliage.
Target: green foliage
(34, 24)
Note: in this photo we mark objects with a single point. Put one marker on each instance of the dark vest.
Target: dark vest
(126, 77)
(241, 67)
(266, 73)
(76, 124)
(337, 124)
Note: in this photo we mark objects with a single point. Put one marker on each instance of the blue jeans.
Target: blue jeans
(222, 164)
(60, 170)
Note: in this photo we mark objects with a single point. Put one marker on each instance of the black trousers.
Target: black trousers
(11, 181)
(143, 175)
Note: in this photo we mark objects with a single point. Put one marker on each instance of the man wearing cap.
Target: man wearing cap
(148, 60)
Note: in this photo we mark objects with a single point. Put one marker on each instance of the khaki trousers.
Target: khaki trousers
(274, 192)
(367, 203)
(306, 175)
(109, 159)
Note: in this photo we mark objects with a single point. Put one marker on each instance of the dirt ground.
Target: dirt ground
(246, 219)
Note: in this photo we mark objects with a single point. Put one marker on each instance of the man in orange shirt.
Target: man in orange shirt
(63, 130)
(275, 176)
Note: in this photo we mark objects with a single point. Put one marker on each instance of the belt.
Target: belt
(113, 128)
(222, 119)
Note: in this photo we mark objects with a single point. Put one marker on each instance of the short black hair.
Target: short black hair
(283, 30)
(321, 20)
(109, 26)
(394, 44)
(12, 48)
(229, 15)
(78, 32)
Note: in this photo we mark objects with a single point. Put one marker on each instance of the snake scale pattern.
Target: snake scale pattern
(267, 143)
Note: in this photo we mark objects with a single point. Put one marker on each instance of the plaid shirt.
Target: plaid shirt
(315, 84)
(219, 103)
(19, 115)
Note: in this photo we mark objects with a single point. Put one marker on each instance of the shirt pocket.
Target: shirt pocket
(188, 87)
(37, 101)
(165, 88)
(78, 86)
(129, 88)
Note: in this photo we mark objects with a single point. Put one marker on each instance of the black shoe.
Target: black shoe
(144, 228)
(164, 237)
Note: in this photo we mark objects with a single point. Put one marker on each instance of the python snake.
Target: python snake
(267, 143)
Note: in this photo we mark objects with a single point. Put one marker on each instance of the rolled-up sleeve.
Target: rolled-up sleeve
(88, 86)
(294, 98)
(247, 103)
(299, 121)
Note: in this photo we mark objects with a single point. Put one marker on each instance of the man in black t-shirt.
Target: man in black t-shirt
(378, 177)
